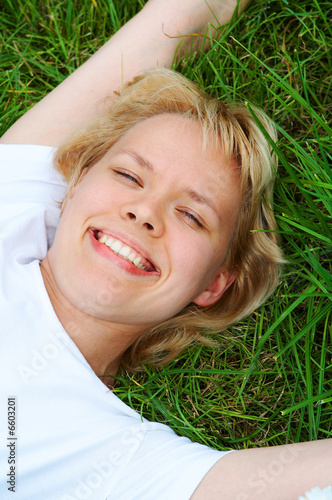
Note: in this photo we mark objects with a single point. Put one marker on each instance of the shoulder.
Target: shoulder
(27, 174)
(22, 157)
(31, 192)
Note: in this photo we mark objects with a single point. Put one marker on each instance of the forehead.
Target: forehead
(177, 143)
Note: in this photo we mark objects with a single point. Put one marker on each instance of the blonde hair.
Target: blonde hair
(254, 255)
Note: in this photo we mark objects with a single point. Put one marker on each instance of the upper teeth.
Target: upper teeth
(123, 250)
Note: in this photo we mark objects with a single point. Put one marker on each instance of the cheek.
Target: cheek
(89, 199)
(192, 256)
(200, 261)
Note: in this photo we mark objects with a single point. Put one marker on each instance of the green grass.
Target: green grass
(270, 382)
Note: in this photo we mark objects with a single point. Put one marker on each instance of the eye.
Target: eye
(192, 219)
(128, 177)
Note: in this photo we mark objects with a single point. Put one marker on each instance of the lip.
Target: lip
(126, 240)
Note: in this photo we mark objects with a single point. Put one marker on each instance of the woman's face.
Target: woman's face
(146, 230)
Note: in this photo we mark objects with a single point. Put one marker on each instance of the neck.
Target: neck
(101, 342)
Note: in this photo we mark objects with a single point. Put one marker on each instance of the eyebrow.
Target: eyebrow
(203, 200)
(143, 162)
(194, 195)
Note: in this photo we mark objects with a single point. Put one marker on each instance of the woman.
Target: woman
(91, 302)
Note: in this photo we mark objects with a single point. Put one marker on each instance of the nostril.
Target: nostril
(132, 216)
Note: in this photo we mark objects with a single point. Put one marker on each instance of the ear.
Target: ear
(216, 289)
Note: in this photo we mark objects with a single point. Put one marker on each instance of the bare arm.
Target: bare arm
(272, 473)
(140, 44)
(78, 98)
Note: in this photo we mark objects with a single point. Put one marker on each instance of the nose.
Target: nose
(146, 214)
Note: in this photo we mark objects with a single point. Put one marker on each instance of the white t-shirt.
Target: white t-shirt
(63, 434)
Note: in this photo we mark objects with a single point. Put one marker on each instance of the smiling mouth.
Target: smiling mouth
(124, 251)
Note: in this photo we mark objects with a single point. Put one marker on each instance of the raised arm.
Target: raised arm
(271, 473)
(144, 42)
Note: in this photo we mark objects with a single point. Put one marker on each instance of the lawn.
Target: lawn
(270, 379)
